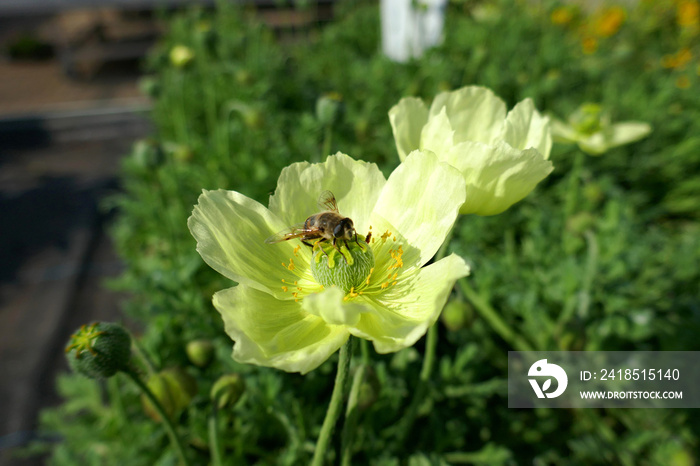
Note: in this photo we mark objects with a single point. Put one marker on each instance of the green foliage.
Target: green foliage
(601, 257)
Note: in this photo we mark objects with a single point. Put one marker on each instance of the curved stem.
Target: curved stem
(335, 405)
(490, 315)
(169, 427)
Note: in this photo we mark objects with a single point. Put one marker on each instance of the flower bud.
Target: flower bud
(181, 56)
(345, 265)
(200, 352)
(149, 86)
(173, 388)
(227, 390)
(99, 350)
(147, 154)
(327, 108)
(457, 315)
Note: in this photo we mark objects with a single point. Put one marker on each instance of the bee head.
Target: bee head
(345, 229)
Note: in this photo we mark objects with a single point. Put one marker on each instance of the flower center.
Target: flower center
(345, 265)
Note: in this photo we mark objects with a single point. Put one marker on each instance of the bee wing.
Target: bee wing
(296, 231)
(326, 201)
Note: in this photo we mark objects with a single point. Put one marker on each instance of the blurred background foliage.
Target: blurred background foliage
(602, 256)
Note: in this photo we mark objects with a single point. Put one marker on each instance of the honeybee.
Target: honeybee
(328, 225)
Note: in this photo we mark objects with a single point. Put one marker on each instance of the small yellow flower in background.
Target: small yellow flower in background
(501, 156)
(181, 56)
(562, 15)
(609, 21)
(280, 314)
(678, 59)
(688, 13)
(590, 127)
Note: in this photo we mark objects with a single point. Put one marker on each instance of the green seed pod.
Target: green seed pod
(200, 352)
(346, 265)
(99, 350)
(227, 390)
(173, 388)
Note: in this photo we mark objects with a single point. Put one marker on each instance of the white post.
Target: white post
(409, 27)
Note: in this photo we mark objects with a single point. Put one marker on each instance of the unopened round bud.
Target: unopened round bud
(327, 107)
(181, 56)
(345, 265)
(200, 352)
(227, 390)
(149, 86)
(457, 315)
(173, 388)
(99, 350)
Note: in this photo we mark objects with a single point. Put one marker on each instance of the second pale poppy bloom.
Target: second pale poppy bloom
(502, 155)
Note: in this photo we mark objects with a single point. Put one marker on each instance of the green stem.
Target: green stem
(214, 444)
(572, 191)
(574, 181)
(431, 341)
(352, 413)
(335, 405)
(327, 139)
(490, 315)
(169, 427)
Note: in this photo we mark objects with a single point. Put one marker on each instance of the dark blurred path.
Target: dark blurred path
(60, 147)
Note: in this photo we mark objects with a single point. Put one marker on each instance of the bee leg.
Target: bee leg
(308, 244)
(341, 252)
(322, 250)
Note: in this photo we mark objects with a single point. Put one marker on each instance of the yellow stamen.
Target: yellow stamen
(385, 235)
(296, 251)
(285, 289)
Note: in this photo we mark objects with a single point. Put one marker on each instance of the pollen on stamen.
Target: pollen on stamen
(296, 251)
(351, 294)
(369, 276)
(385, 235)
(291, 264)
(384, 285)
(285, 289)
(299, 288)
(295, 294)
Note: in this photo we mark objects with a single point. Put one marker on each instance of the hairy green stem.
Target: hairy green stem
(169, 427)
(335, 405)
